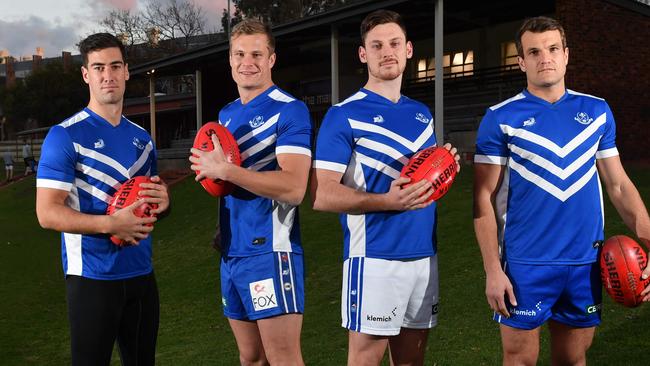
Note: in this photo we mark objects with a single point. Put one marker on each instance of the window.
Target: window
(508, 54)
(454, 64)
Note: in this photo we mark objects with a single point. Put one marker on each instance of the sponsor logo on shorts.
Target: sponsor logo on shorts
(263, 294)
(287, 286)
(383, 319)
(434, 309)
(593, 309)
(522, 312)
(223, 301)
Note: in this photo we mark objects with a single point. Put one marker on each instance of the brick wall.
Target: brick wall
(608, 57)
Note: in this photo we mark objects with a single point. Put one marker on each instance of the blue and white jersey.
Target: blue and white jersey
(271, 124)
(90, 158)
(369, 139)
(549, 205)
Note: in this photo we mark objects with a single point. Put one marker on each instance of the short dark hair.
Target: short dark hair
(378, 17)
(538, 25)
(100, 41)
(253, 26)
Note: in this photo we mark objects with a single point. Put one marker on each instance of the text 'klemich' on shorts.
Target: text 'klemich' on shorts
(382, 296)
(568, 294)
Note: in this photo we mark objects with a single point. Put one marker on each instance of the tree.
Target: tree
(174, 19)
(160, 20)
(126, 26)
(48, 94)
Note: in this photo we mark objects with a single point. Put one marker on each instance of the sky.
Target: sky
(57, 25)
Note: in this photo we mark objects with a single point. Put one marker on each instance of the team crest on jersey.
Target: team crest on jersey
(583, 118)
(378, 118)
(256, 122)
(137, 143)
(529, 122)
(263, 294)
(99, 144)
(421, 117)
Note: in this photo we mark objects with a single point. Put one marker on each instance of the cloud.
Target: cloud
(22, 37)
(120, 4)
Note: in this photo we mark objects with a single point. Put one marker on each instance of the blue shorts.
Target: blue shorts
(262, 286)
(568, 294)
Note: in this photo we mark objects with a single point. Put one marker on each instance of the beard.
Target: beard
(387, 74)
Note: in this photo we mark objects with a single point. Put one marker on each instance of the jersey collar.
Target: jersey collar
(534, 98)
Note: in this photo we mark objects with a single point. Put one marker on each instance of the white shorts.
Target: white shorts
(382, 296)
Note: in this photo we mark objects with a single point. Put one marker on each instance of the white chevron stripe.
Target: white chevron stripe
(280, 96)
(144, 157)
(383, 148)
(542, 183)
(74, 119)
(258, 147)
(92, 190)
(550, 145)
(412, 145)
(552, 168)
(106, 179)
(377, 165)
(268, 124)
(356, 96)
(101, 158)
(511, 99)
(262, 162)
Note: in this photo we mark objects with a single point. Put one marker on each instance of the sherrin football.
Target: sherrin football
(435, 164)
(622, 261)
(125, 196)
(203, 141)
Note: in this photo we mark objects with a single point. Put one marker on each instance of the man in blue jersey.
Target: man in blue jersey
(540, 158)
(262, 282)
(390, 273)
(111, 290)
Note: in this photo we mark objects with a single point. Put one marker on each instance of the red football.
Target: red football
(203, 141)
(125, 196)
(621, 263)
(435, 164)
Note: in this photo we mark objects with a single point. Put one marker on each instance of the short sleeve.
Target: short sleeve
(607, 146)
(56, 169)
(491, 146)
(334, 143)
(294, 130)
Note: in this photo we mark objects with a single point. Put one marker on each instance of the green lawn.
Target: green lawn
(33, 321)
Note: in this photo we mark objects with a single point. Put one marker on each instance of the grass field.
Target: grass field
(33, 323)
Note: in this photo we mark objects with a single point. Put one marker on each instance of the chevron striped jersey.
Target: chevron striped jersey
(89, 158)
(271, 124)
(549, 205)
(369, 139)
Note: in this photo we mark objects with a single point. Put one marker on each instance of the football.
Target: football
(203, 141)
(622, 261)
(125, 196)
(435, 164)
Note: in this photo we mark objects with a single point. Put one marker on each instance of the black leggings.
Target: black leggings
(101, 312)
